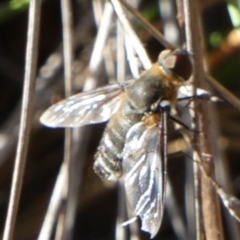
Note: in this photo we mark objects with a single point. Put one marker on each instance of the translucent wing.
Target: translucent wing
(144, 175)
(84, 108)
(186, 92)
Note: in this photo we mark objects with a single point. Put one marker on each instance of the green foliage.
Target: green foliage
(234, 12)
(151, 13)
(215, 39)
(228, 73)
(11, 8)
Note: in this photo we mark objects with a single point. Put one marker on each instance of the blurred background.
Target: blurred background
(97, 202)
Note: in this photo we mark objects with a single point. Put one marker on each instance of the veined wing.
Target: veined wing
(84, 108)
(144, 175)
(186, 92)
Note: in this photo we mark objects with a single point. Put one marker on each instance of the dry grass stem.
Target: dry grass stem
(131, 35)
(149, 27)
(208, 219)
(26, 116)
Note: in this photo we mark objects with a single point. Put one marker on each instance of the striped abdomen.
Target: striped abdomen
(108, 159)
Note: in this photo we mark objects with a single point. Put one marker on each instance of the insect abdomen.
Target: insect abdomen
(108, 159)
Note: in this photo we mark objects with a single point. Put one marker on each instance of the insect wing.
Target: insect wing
(85, 108)
(144, 177)
(186, 92)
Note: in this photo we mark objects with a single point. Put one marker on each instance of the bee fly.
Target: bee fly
(133, 143)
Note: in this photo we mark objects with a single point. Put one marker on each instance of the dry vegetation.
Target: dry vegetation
(97, 57)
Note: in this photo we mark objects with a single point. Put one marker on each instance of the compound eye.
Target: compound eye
(177, 63)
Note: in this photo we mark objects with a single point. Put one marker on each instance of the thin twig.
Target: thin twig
(224, 93)
(109, 60)
(148, 26)
(53, 208)
(197, 203)
(107, 52)
(26, 116)
(103, 32)
(132, 59)
(121, 60)
(64, 228)
(97, 11)
(120, 231)
(99, 45)
(170, 27)
(207, 203)
(175, 214)
(67, 45)
(131, 35)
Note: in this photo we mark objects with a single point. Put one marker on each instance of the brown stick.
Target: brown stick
(208, 216)
(26, 116)
(148, 26)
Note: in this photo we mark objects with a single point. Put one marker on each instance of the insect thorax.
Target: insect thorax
(152, 87)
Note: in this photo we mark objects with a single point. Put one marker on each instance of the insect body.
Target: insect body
(141, 98)
(133, 143)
